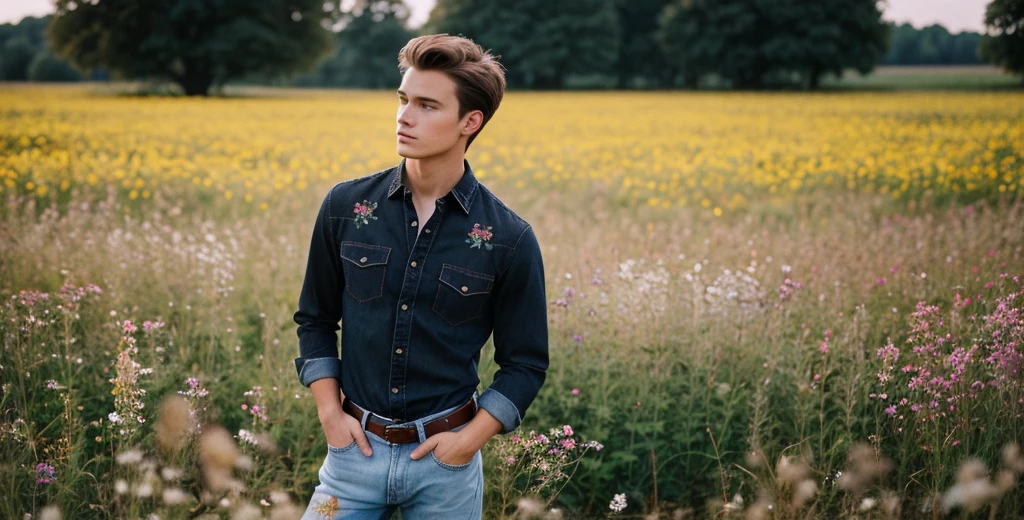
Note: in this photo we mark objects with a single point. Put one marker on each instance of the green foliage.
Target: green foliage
(758, 43)
(932, 45)
(46, 67)
(194, 43)
(540, 43)
(1004, 43)
(367, 47)
(15, 56)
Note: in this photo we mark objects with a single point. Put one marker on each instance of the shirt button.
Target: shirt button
(394, 390)
(362, 260)
(464, 288)
(405, 307)
(413, 224)
(398, 351)
(413, 264)
(426, 231)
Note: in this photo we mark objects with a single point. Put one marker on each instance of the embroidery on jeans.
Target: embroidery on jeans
(364, 213)
(480, 238)
(328, 508)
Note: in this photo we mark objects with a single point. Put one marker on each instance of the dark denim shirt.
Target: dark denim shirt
(415, 311)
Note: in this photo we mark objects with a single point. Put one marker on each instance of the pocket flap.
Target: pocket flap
(464, 281)
(364, 255)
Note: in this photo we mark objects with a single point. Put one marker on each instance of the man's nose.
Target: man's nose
(404, 118)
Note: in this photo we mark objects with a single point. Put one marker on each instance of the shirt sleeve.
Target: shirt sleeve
(520, 335)
(319, 309)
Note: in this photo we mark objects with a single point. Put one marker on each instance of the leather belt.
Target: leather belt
(408, 434)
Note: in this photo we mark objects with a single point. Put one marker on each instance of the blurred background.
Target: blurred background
(782, 241)
(634, 44)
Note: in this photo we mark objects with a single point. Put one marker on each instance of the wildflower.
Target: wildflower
(45, 473)
(618, 503)
(51, 384)
(567, 430)
(575, 391)
(247, 437)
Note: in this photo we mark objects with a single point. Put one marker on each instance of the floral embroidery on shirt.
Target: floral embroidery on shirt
(364, 213)
(480, 237)
(328, 508)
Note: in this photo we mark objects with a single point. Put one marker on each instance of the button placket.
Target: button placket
(410, 286)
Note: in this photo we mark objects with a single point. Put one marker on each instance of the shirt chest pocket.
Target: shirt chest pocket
(364, 266)
(461, 294)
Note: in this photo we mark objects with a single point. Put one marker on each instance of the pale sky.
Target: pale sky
(956, 15)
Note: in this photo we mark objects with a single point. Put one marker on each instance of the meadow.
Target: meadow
(762, 305)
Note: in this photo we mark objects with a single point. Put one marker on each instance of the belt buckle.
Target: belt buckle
(392, 427)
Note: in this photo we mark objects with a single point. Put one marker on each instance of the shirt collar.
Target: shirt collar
(463, 192)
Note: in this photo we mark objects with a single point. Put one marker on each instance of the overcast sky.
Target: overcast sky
(956, 15)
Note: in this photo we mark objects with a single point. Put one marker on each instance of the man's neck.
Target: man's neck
(433, 177)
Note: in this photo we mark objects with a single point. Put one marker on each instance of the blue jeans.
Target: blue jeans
(356, 487)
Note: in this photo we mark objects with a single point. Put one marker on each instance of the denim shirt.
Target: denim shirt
(415, 311)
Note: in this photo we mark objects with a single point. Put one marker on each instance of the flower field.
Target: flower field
(761, 305)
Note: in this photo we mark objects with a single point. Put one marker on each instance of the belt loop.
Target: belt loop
(366, 417)
(419, 430)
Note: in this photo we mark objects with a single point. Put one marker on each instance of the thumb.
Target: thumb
(424, 448)
(364, 445)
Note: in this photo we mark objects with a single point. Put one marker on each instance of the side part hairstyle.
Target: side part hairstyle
(479, 78)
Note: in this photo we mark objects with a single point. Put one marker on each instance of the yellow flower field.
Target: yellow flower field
(701, 150)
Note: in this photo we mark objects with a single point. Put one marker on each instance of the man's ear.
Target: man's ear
(474, 120)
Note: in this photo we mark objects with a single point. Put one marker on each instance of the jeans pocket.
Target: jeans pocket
(364, 266)
(452, 467)
(348, 447)
(461, 294)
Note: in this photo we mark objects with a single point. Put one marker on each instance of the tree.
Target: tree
(640, 56)
(194, 43)
(15, 56)
(372, 32)
(1003, 43)
(756, 43)
(540, 43)
(839, 34)
(45, 67)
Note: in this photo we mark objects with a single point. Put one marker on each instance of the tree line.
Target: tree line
(546, 45)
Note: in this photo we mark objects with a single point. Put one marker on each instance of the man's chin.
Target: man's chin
(404, 151)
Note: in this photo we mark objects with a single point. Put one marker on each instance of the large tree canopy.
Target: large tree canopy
(1003, 44)
(540, 42)
(754, 43)
(194, 43)
(372, 32)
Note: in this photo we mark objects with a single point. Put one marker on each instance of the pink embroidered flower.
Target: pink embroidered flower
(364, 213)
(480, 237)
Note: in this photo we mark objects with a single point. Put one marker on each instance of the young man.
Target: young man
(421, 263)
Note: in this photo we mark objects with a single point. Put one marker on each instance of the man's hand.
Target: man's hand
(341, 429)
(452, 448)
(457, 448)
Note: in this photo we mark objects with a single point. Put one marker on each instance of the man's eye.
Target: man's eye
(427, 106)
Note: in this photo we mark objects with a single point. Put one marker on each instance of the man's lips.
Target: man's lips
(403, 134)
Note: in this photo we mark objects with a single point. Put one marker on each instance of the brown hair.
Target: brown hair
(479, 78)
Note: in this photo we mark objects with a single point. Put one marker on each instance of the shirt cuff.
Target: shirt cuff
(501, 409)
(317, 368)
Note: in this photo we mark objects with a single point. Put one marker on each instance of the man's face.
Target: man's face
(428, 115)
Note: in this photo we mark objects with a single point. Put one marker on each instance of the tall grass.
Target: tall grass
(739, 364)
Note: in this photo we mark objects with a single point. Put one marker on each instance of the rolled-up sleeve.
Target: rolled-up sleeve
(520, 335)
(319, 310)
